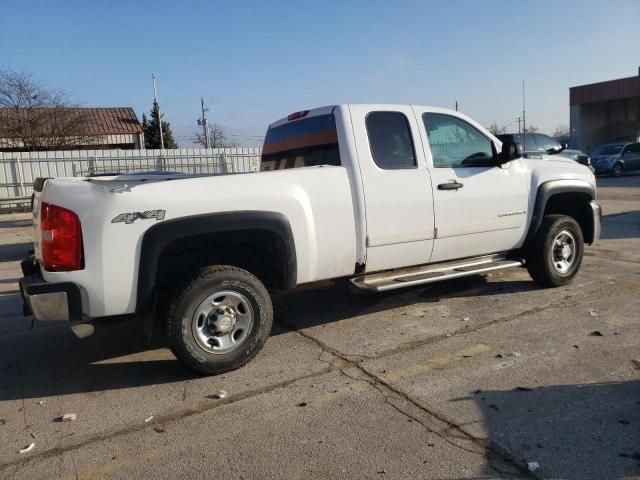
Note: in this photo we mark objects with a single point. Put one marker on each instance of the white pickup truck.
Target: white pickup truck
(387, 196)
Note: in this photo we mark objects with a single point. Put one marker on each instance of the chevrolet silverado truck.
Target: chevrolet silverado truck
(384, 196)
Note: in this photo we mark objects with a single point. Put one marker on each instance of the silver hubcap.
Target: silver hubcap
(222, 321)
(563, 251)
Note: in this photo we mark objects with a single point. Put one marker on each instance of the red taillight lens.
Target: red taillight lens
(61, 239)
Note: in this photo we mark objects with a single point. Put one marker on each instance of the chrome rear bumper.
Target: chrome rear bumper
(48, 301)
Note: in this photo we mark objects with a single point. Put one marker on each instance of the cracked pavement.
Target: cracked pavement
(466, 379)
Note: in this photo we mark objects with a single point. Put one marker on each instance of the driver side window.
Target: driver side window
(455, 143)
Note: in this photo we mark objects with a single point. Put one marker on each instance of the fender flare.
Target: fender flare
(159, 236)
(548, 189)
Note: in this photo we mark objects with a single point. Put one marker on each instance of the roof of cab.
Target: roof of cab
(313, 112)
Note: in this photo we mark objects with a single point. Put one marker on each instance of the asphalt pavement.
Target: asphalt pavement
(478, 378)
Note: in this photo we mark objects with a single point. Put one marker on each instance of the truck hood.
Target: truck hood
(552, 167)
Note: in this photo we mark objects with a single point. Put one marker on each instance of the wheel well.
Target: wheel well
(260, 252)
(575, 205)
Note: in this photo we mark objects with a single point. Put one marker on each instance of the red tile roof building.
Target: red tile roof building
(69, 128)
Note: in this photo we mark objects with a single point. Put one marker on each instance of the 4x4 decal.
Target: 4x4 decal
(129, 218)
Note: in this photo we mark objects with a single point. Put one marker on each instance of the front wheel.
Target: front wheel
(556, 253)
(219, 320)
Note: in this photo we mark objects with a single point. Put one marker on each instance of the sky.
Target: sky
(254, 62)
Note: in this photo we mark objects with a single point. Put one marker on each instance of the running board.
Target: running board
(410, 276)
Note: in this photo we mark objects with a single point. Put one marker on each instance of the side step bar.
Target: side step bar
(410, 276)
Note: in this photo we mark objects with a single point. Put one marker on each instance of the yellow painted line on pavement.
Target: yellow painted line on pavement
(434, 363)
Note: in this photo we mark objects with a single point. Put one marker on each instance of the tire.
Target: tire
(219, 320)
(617, 170)
(556, 253)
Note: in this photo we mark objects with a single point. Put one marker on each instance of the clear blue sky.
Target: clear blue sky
(256, 61)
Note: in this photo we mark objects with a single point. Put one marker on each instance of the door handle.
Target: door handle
(450, 185)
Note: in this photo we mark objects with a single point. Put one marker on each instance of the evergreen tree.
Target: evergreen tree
(151, 132)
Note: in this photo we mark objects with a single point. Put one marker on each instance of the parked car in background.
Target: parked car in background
(539, 144)
(616, 158)
(579, 156)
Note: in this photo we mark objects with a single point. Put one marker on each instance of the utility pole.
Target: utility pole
(456, 105)
(524, 124)
(204, 123)
(519, 120)
(157, 105)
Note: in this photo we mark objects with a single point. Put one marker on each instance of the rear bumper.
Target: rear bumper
(596, 212)
(48, 301)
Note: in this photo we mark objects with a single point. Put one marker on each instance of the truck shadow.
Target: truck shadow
(50, 360)
(341, 303)
(585, 431)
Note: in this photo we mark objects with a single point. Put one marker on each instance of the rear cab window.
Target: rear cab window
(305, 142)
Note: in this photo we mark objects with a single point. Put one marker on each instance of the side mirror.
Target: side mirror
(510, 151)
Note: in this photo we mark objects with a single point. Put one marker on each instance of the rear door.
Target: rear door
(480, 207)
(397, 186)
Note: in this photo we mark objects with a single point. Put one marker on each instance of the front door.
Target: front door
(480, 207)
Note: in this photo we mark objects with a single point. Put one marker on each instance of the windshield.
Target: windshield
(610, 149)
(302, 143)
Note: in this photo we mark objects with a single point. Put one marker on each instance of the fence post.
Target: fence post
(21, 173)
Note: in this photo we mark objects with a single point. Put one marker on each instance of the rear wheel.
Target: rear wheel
(219, 320)
(556, 253)
(617, 170)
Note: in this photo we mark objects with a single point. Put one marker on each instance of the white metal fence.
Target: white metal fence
(19, 170)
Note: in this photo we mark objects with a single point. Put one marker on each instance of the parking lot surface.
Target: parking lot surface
(483, 377)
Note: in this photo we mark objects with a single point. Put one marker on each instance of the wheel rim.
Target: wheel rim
(563, 251)
(617, 169)
(222, 321)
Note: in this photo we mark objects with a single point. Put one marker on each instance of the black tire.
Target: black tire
(543, 263)
(193, 296)
(617, 170)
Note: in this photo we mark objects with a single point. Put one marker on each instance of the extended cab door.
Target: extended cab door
(396, 184)
(480, 207)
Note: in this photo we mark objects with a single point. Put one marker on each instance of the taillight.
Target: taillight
(61, 239)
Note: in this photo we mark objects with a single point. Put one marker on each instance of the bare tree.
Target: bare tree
(218, 138)
(531, 129)
(497, 130)
(34, 117)
(561, 131)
